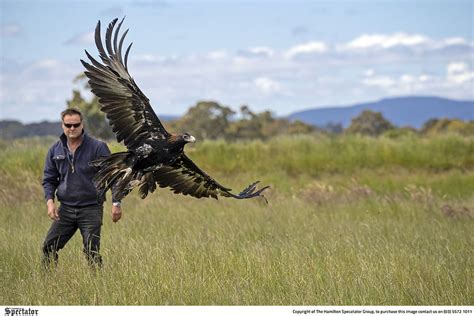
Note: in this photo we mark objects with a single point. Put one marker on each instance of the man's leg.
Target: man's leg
(90, 223)
(58, 235)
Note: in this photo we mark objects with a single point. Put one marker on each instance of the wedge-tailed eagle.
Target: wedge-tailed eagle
(154, 156)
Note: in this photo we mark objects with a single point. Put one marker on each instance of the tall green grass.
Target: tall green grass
(313, 155)
(350, 220)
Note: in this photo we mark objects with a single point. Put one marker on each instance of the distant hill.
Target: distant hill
(10, 129)
(401, 111)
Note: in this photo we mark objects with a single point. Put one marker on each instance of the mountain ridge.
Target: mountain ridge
(411, 111)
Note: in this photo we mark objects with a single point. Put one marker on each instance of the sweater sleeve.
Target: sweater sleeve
(103, 150)
(50, 176)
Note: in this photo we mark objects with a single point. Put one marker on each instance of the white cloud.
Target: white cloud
(386, 41)
(454, 68)
(405, 83)
(454, 41)
(405, 45)
(407, 79)
(424, 78)
(459, 72)
(262, 50)
(216, 55)
(307, 48)
(369, 73)
(379, 81)
(456, 83)
(267, 85)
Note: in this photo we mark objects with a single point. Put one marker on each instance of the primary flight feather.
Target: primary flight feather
(154, 156)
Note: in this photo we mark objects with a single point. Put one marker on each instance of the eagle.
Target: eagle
(154, 156)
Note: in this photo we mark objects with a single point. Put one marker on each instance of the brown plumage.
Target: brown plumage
(173, 138)
(154, 156)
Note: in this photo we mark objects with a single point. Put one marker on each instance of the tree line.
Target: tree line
(212, 120)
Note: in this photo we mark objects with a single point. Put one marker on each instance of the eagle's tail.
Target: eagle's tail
(115, 171)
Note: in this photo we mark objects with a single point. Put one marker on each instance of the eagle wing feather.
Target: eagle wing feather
(185, 177)
(126, 107)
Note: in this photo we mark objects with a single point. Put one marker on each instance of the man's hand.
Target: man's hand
(116, 213)
(52, 210)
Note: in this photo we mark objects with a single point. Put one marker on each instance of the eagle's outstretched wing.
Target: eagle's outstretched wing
(129, 111)
(183, 176)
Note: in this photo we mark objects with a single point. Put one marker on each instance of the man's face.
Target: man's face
(72, 126)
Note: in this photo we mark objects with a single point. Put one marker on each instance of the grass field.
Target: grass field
(350, 221)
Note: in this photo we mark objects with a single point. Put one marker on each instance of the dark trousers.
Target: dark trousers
(87, 219)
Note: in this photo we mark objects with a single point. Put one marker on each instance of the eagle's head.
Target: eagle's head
(188, 138)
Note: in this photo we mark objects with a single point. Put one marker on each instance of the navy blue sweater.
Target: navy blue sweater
(70, 177)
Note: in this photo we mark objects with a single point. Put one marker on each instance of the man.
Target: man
(68, 176)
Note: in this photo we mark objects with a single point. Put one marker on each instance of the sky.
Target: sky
(281, 56)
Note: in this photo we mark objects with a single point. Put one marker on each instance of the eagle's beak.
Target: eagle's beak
(192, 139)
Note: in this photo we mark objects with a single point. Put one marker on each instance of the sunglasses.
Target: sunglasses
(76, 125)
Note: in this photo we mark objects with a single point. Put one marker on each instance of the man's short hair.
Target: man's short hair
(71, 111)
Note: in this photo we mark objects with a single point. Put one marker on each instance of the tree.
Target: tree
(264, 126)
(429, 126)
(248, 127)
(438, 126)
(95, 121)
(299, 127)
(206, 120)
(369, 123)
